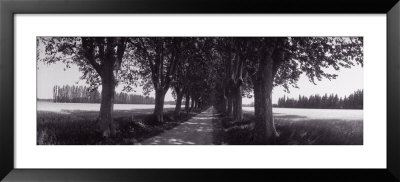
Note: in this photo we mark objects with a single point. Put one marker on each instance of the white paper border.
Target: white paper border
(371, 155)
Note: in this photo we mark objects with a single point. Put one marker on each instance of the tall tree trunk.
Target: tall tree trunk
(221, 102)
(237, 103)
(107, 102)
(265, 131)
(236, 89)
(224, 103)
(192, 103)
(179, 97)
(187, 101)
(229, 108)
(159, 105)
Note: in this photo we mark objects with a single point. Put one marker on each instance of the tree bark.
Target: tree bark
(229, 109)
(227, 84)
(221, 99)
(179, 97)
(224, 103)
(265, 131)
(192, 103)
(110, 59)
(187, 101)
(199, 104)
(237, 103)
(237, 89)
(107, 102)
(196, 104)
(159, 105)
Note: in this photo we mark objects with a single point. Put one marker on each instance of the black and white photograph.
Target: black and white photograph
(199, 90)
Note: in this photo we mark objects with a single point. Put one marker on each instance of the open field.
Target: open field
(66, 107)
(302, 127)
(81, 128)
(302, 114)
(299, 114)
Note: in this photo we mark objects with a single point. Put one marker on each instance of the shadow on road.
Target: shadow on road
(196, 131)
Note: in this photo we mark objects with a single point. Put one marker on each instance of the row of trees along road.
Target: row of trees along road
(353, 101)
(83, 94)
(215, 70)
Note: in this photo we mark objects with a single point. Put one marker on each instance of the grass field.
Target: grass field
(297, 130)
(81, 128)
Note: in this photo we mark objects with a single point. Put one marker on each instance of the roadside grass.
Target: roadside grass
(296, 130)
(81, 127)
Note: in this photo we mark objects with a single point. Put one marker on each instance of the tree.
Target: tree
(236, 78)
(158, 58)
(99, 58)
(281, 60)
(231, 83)
(194, 77)
(181, 82)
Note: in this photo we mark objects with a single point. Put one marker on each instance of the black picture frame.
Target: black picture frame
(8, 8)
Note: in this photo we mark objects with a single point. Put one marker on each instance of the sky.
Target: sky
(347, 82)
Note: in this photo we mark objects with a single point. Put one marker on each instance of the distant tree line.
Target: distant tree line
(44, 100)
(248, 105)
(83, 94)
(332, 101)
(169, 102)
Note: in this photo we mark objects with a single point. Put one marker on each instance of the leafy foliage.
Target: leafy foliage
(313, 56)
(90, 54)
